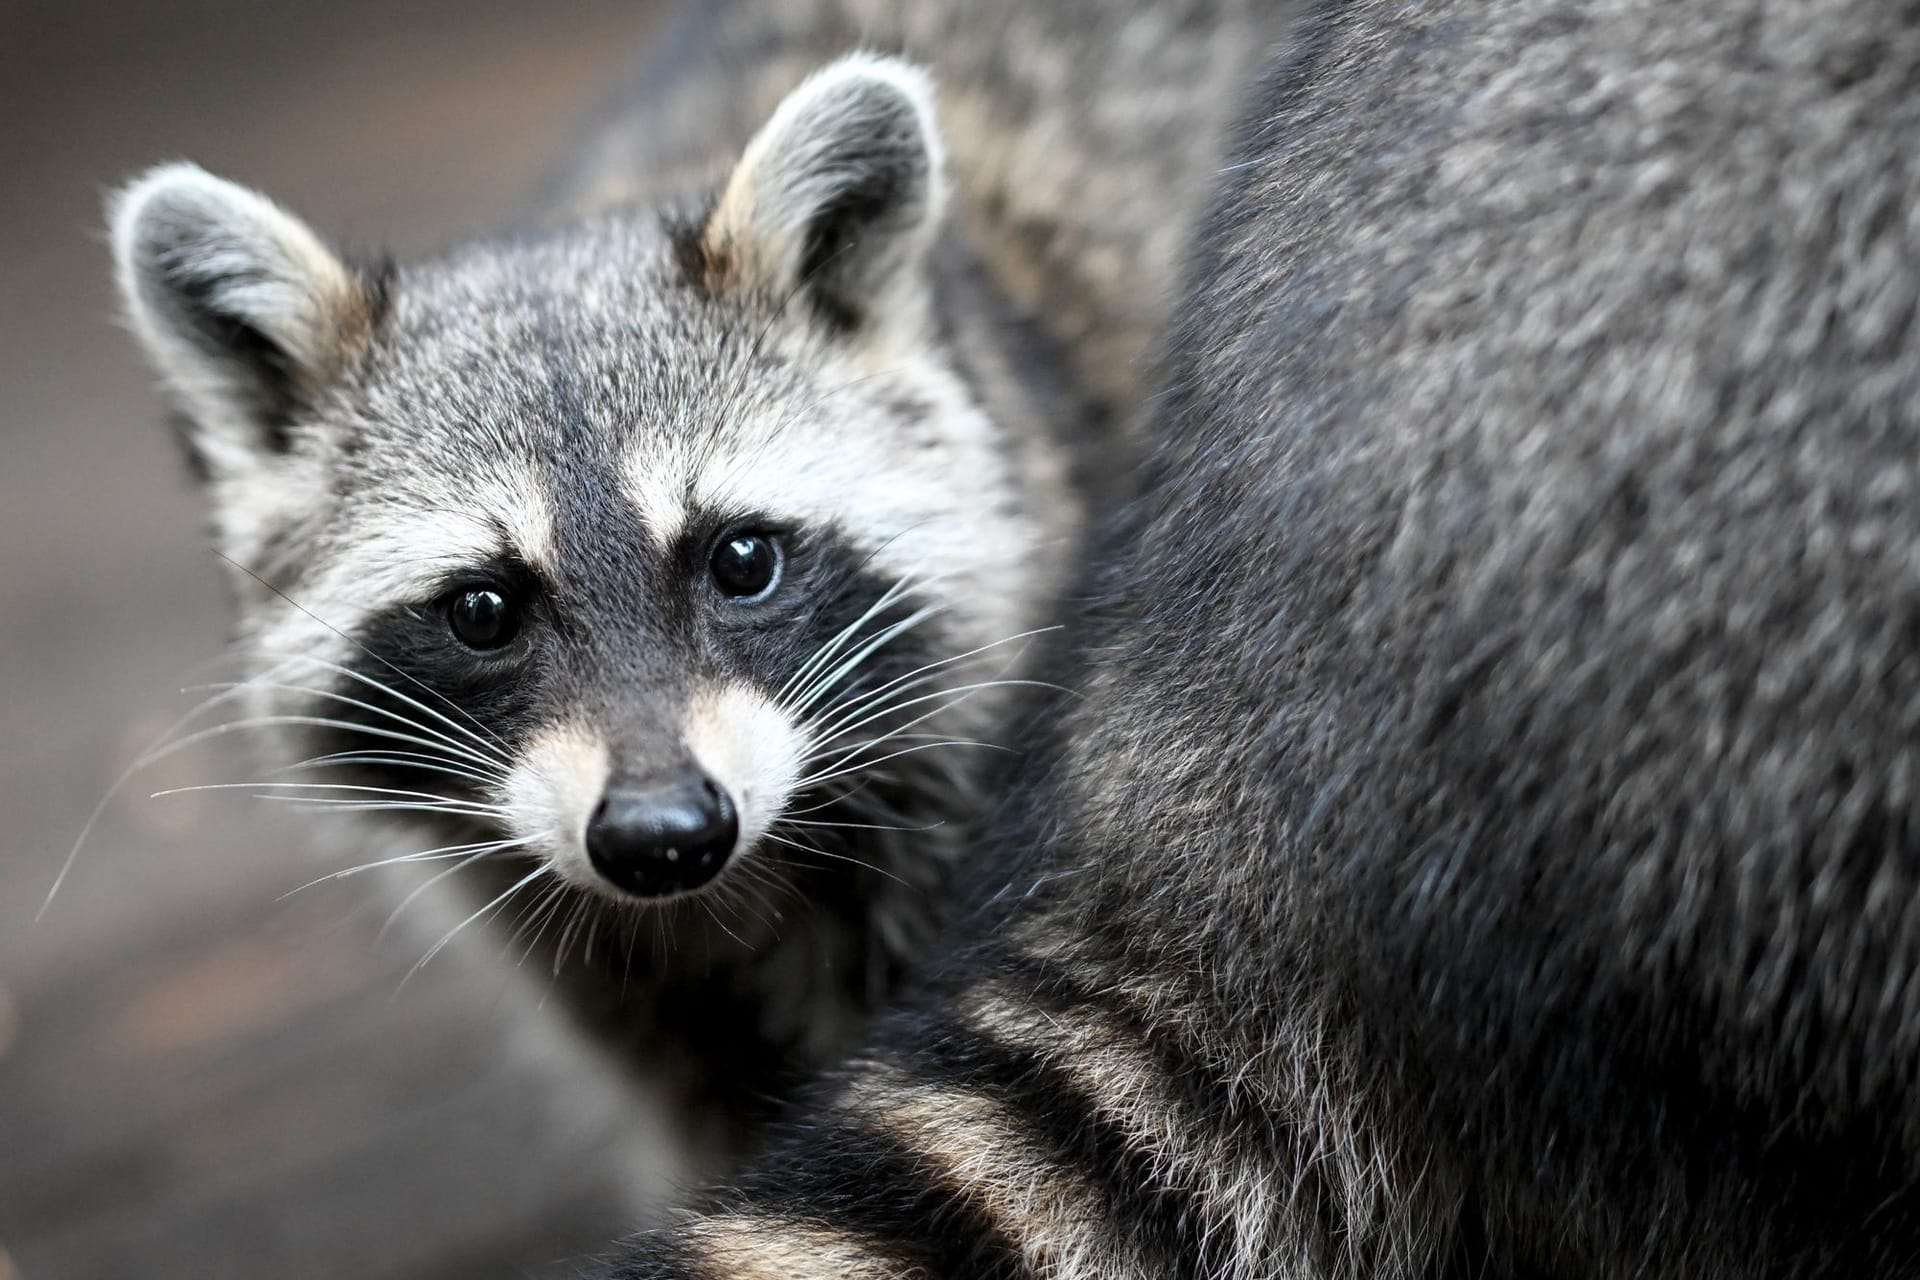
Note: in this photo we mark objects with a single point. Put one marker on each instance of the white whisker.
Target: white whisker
(425, 855)
(922, 671)
(715, 917)
(435, 879)
(315, 786)
(540, 870)
(838, 857)
(825, 652)
(542, 912)
(318, 722)
(355, 643)
(397, 759)
(583, 911)
(869, 764)
(954, 697)
(491, 763)
(379, 806)
(390, 691)
(821, 686)
(163, 746)
(856, 826)
(593, 927)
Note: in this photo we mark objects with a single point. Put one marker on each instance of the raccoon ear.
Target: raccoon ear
(240, 306)
(838, 194)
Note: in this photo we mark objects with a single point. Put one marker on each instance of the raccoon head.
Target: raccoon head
(654, 549)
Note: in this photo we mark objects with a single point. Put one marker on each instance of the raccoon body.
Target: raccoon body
(1484, 846)
(663, 574)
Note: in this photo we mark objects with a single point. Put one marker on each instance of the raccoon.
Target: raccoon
(661, 570)
(1485, 846)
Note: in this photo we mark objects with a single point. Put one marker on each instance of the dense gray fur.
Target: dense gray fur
(1486, 843)
(900, 335)
(1084, 135)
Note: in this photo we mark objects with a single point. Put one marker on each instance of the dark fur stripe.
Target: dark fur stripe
(1207, 1104)
(873, 1187)
(1168, 1226)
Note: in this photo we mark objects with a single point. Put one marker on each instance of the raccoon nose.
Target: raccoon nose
(664, 836)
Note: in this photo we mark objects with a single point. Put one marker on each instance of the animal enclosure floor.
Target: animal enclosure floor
(200, 1077)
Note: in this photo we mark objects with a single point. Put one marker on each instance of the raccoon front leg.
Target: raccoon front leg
(1063, 1120)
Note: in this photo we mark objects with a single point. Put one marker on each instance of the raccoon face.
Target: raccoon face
(662, 550)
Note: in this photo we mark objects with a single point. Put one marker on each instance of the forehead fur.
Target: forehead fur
(509, 377)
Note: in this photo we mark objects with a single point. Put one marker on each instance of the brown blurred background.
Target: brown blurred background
(196, 1078)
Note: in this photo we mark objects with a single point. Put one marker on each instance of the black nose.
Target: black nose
(662, 837)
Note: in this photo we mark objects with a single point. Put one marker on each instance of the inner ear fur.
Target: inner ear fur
(838, 196)
(242, 309)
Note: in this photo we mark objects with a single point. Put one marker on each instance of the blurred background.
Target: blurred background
(199, 1078)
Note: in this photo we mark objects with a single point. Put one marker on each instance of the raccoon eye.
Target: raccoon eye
(482, 617)
(745, 564)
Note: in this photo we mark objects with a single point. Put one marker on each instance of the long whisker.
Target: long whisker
(162, 746)
(825, 652)
(415, 703)
(839, 742)
(904, 751)
(832, 798)
(377, 806)
(954, 696)
(840, 752)
(540, 870)
(923, 672)
(583, 912)
(435, 879)
(398, 759)
(425, 855)
(713, 915)
(542, 913)
(263, 721)
(360, 646)
(838, 857)
(859, 826)
(457, 748)
(317, 786)
(818, 689)
(573, 910)
(739, 897)
(593, 929)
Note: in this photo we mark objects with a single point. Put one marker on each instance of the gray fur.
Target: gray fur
(1485, 844)
(1083, 135)
(794, 329)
